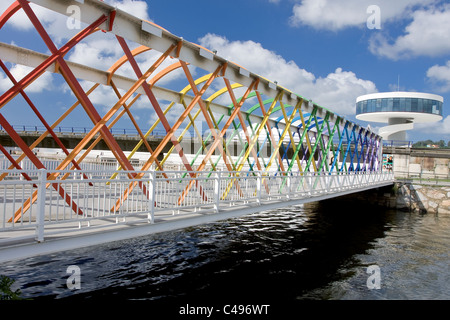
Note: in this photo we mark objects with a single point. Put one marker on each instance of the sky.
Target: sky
(330, 51)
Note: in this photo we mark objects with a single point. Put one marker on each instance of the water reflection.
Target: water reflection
(303, 252)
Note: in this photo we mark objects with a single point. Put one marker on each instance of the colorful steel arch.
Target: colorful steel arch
(275, 129)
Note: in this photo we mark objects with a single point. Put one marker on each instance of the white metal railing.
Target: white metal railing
(423, 177)
(51, 164)
(80, 199)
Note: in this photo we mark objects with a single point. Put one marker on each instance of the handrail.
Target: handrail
(81, 130)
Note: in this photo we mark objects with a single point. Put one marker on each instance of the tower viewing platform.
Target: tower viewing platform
(400, 110)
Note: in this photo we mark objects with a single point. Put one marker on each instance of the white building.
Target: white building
(400, 110)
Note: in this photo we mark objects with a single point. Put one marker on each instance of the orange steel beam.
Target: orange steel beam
(100, 125)
(182, 117)
(18, 87)
(130, 115)
(153, 101)
(39, 70)
(176, 125)
(242, 121)
(111, 72)
(151, 82)
(15, 163)
(18, 140)
(244, 128)
(53, 126)
(117, 118)
(123, 60)
(204, 111)
(263, 110)
(39, 115)
(158, 111)
(209, 123)
(217, 139)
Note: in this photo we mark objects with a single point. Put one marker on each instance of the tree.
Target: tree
(5, 289)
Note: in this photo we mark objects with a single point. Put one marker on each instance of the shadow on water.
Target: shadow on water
(284, 254)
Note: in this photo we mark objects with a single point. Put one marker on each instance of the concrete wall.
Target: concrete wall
(423, 176)
(421, 163)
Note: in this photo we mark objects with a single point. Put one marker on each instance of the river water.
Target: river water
(315, 251)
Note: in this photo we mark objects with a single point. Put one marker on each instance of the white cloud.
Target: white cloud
(440, 75)
(336, 15)
(337, 91)
(439, 128)
(102, 95)
(56, 24)
(137, 8)
(445, 126)
(427, 35)
(19, 20)
(44, 82)
(99, 51)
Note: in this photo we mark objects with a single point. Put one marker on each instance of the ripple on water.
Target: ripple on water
(306, 252)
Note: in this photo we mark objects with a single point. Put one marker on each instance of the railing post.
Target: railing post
(40, 215)
(330, 181)
(288, 184)
(217, 192)
(151, 196)
(258, 187)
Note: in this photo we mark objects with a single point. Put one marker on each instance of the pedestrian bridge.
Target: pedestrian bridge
(253, 144)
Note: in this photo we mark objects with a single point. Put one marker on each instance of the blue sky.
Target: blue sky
(321, 49)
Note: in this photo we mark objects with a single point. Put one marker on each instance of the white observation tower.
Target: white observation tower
(400, 110)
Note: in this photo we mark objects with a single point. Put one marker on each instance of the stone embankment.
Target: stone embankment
(420, 197)
(405, 196)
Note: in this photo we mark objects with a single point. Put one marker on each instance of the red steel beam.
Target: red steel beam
(153, 101)
(71, 80)
(22, 145)
(159, 112)
(244, 127)
(39, 70)
(39, 115)
(177, 123)
(15, 164)
(217, 137)
(79, 92)
(12, 9)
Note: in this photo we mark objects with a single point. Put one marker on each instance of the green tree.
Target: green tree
(6, 292)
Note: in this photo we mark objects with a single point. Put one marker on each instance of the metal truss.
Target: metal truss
(277, 130)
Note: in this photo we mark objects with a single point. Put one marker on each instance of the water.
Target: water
(309, 252)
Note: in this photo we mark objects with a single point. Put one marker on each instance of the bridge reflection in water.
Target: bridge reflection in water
(258, 144)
